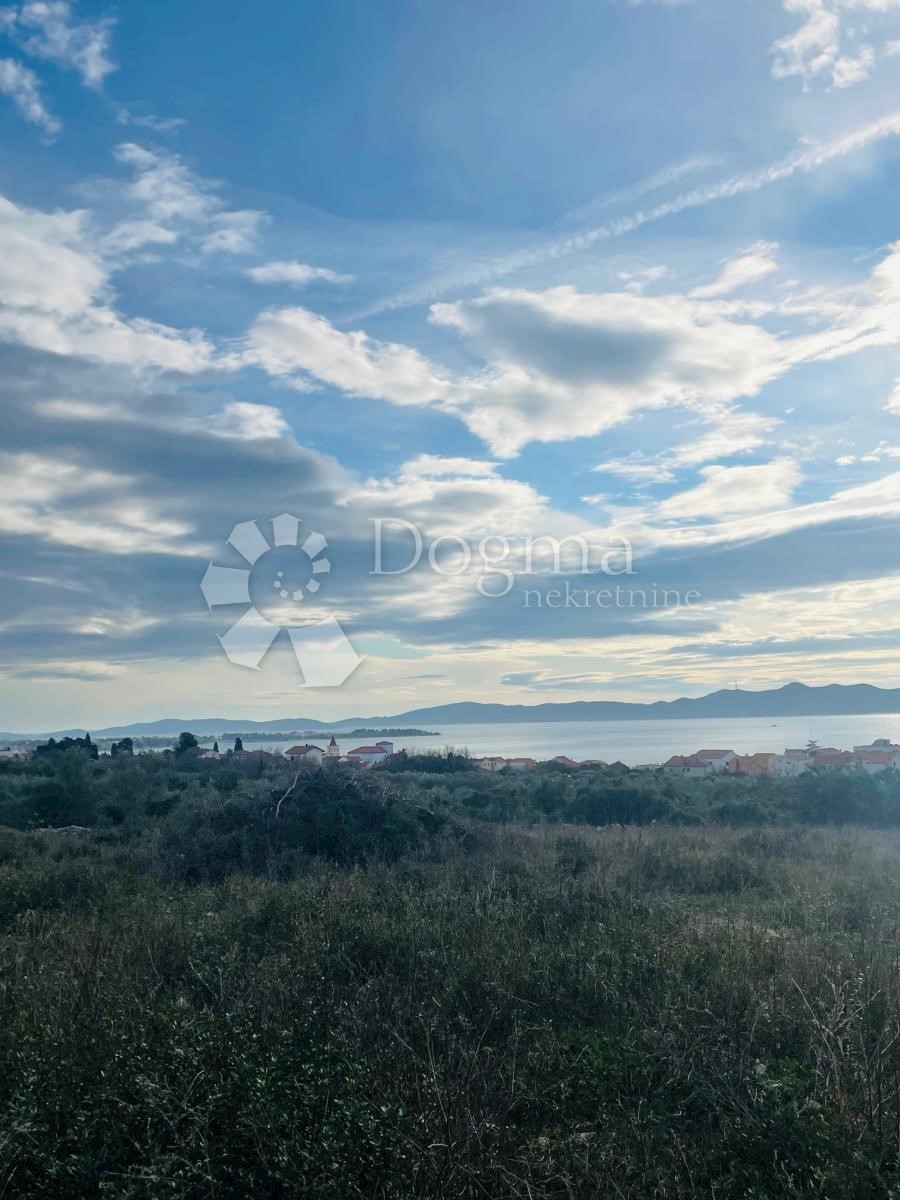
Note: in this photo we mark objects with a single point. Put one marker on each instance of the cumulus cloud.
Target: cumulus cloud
(456, 496)
(556, 364)
(249, 422)
(298, 345)
(560, 363)
(24, 89)
(54, 296)
(47, 264)
(296, 273)
(569, 364)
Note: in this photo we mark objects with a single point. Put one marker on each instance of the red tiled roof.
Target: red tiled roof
(367, 750)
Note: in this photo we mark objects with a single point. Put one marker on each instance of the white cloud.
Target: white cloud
(812, 48)
(559, 364)
(248, 422)
(816, 47)
(54, 296)
(235, 233)
(752, 266)
(636, 281)
(566, 364)
(37, 495)
(131, 235)
(170, 194)
(46, 29)
(729, 491)
(296, 344)
(750, 521)
(852, 69)
(296, 273)
(23, 88)
(124, 116)
(877, 454)
(733, 432)
(452, 499)
(636, 469)
(47, 263)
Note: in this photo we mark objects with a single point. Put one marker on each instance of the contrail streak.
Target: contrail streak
(808, 157)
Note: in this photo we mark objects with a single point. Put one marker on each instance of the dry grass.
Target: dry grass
(560, 1013)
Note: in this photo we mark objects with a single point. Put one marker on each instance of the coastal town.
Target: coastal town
(879, 755)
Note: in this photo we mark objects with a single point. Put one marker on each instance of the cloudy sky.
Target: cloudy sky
(607, 270)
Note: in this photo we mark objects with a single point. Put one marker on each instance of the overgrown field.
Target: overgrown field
(535, 1011)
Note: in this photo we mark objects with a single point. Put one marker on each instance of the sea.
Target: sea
(631, 742)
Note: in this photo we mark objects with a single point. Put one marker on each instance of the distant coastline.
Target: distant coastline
(792, 700)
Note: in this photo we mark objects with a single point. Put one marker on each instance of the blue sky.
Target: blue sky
(606, 271)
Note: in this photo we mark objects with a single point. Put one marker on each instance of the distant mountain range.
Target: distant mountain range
(792, 700)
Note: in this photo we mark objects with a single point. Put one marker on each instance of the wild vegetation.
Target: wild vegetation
(227, 982)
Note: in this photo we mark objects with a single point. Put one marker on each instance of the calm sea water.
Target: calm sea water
(634, 742)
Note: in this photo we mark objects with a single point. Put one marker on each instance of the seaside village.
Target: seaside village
(879, 755)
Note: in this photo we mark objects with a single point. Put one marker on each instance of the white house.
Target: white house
(311, 756)
(717, 759)
(368, 756)
(492, 763)
(16, 753)
(791, 763)
(691, 765)
(873, 761)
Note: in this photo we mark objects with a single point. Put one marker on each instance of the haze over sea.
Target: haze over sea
(631, 742)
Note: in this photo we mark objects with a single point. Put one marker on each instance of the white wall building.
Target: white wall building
(367, 756)
(313, 756)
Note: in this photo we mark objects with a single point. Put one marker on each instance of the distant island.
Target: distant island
(320, 735)
(792, 700)
(155, 741)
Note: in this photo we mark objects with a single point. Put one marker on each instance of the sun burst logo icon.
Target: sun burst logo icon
(281, 573)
